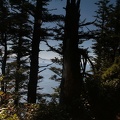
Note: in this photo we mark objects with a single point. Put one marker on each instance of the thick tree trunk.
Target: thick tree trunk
(32, 86)
(71, 82)
(71, 58)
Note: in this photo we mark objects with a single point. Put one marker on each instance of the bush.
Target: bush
(51, 111)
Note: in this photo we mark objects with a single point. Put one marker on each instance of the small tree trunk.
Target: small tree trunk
(17, 74)
(4, 62)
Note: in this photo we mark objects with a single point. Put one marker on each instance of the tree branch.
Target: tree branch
(53, 49)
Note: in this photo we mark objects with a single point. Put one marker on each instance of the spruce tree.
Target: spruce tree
(102, 93)
(20, 43)
(32, 86)
(40, 33)
(101, 46)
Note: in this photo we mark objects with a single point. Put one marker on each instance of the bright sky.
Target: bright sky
(88, 9)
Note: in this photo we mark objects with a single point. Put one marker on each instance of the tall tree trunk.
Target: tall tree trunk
(4, 58)
(32, 86)
(71, 82)
(4, 40)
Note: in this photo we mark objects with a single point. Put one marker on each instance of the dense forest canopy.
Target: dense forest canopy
(32, 28)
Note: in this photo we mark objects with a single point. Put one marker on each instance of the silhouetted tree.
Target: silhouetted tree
(20, 32)
(71, 79)
(32, 86)
(102, 90)
(101, 46)
(40, 34)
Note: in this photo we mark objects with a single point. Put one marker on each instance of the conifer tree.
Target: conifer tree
(114, 29)
(41, 14)
(106, 50)
(20, 43)
(32, 86)
(101, 47)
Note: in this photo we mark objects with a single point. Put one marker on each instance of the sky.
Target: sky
(87, 11)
